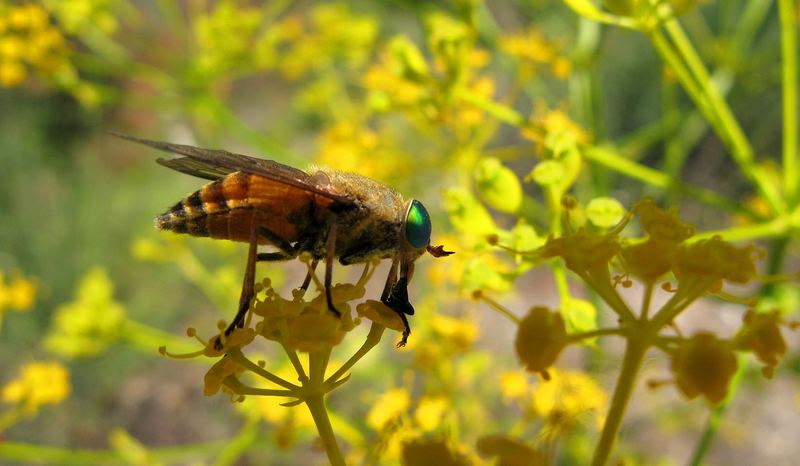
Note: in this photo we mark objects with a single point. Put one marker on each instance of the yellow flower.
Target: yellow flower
(566, 396)
(457, 334)
(583, 252)
(17, 295)
(540, 338)
(658, 254)
(761, 334)
(91, 322)
(662, 225)
(704, 365)
(388, 407)
(714, 260)
(510, 451)
(430, 411)
(380, 313)
(313, 331)
(38, 384)
(425, 452)
(514, 385)
(215, 377)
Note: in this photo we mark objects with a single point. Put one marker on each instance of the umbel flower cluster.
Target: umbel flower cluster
(299, 326)
(670, 258)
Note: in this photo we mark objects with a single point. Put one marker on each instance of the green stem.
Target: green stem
(609, 158)
(595, 333)
(634, 354)
(788, 19)
(729, 129)
(373, 338)
(41, 454)
(314, 398)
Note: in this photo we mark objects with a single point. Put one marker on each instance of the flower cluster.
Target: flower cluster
(38, 384)
(704, 363)
(18, 294)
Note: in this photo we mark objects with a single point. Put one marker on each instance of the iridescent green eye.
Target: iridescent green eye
(418, 225)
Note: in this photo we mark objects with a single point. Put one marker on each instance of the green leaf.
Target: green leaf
(498, 185)
(605, 212)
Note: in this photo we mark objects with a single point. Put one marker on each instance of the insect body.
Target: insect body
(326, 213)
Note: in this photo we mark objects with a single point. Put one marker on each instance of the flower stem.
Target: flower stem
(638, 343)
(314, 398)
(788, 19)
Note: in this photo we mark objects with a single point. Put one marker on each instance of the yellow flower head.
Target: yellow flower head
(38, 384)
(380, 313)
(510, 451)
(457, 335)
(567, 396)
(89, 323)
(388, 408)
(662, 225)
(540, 338)
(761, 334)
(583, 252)
(704, 365)
(221, 370)
(17, 295)
(714, 260)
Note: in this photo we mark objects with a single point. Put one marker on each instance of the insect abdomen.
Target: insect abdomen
(226, 208)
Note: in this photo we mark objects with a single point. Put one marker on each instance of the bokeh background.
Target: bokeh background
(449, 102)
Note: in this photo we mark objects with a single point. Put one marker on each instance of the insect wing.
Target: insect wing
(213, 164)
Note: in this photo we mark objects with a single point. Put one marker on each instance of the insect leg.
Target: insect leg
(330, 253)
(397, 298)
(307, 281)
(248, 288)
(285, 249)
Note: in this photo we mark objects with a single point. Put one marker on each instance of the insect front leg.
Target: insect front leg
(395, 296)
(330, 254)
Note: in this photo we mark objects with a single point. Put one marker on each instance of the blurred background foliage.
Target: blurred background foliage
(490, 112)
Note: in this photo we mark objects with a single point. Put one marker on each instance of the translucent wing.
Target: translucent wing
(213, 164)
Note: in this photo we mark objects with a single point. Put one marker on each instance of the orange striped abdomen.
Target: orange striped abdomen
(225, 209)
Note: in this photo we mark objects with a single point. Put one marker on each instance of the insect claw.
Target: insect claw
(404, 340)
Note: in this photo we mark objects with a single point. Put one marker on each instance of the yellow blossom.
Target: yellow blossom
(38, 384)
(91, 322)
(17, 295)
(714, 260)
(215, 377)
(761, 334)
(662, 225)
(540, 338)
(380, 313)
(313, 331)
(430, 411)
(704, 365)
(566, 396)
(514, 385)
(388, 407)
(583, 252)
(457, 334)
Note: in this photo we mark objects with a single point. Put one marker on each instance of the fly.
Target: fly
(326, 213)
